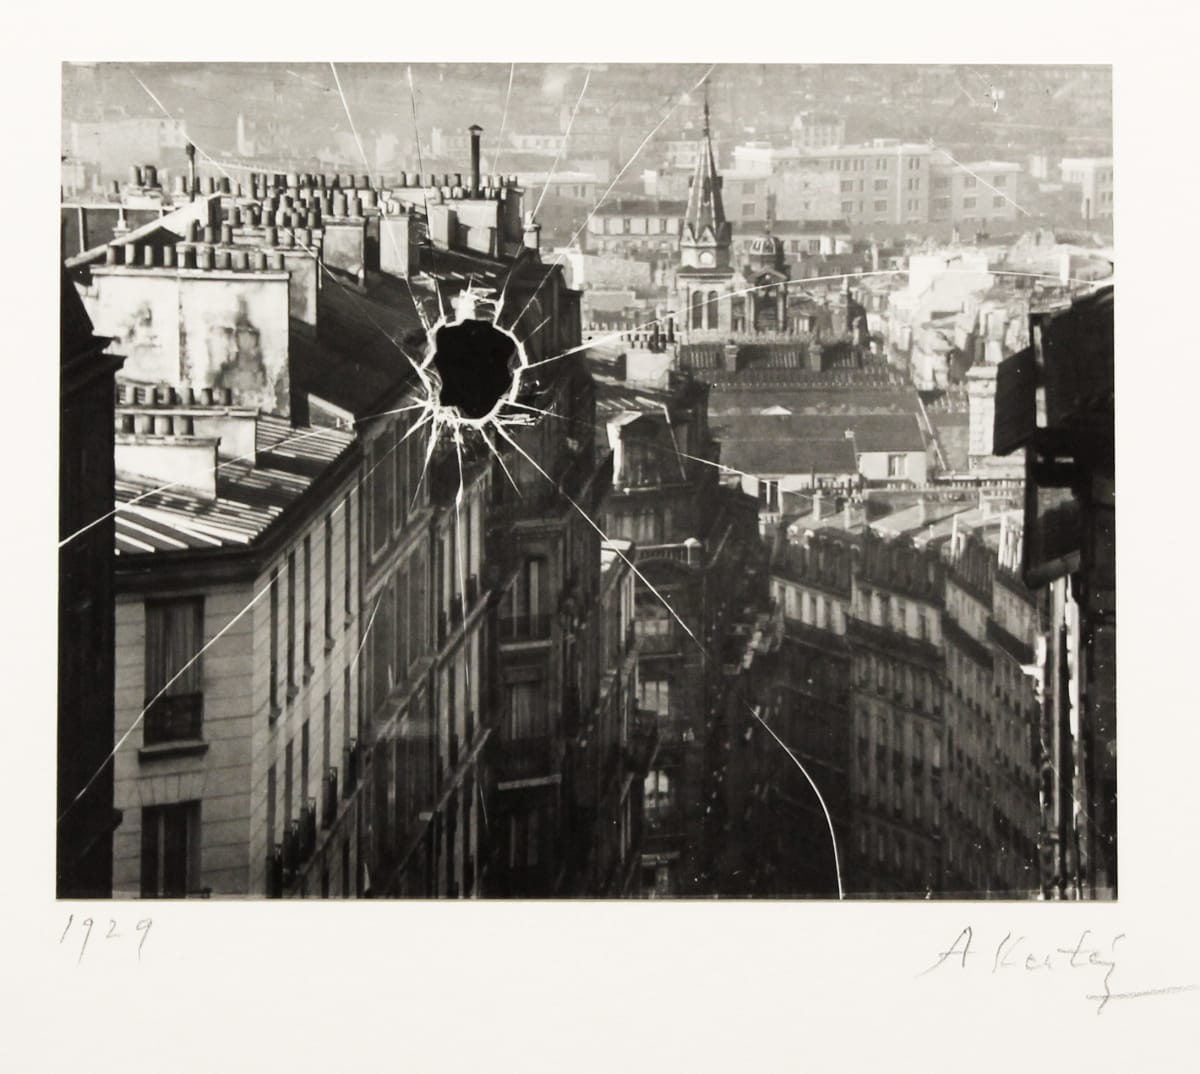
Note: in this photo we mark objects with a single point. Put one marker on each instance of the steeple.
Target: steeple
(704, 241)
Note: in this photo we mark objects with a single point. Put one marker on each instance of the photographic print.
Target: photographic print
(591, 480)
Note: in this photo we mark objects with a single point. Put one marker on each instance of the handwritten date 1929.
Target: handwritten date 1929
(85, 928)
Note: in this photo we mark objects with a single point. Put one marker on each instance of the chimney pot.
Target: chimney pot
(204, 257)
(148, 256)
(292, 181)
(221, 259)
(270, 235)
(135, 175)
(226, 235)
(177, 185)
(312, 219)
(303, 237)
(286, 237)
(260, 261)
(277, 261)
(235, 216)
(339, 204)
(363, 182)
(239, 259)
(150, 176)
(113, 255)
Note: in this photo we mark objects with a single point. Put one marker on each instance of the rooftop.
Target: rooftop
(250, 496)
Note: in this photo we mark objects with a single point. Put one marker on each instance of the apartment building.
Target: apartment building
(895, 630)
(975, 194)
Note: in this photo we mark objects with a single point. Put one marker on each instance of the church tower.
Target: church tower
(704, 279)
(705, 239)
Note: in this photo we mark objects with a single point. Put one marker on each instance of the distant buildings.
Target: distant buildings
(1094, 178)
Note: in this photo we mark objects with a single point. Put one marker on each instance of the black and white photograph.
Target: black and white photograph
(574, 538)
(587, 480)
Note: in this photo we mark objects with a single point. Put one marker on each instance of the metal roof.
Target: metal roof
(153, 518)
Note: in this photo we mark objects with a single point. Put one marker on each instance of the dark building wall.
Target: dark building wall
(85, 607)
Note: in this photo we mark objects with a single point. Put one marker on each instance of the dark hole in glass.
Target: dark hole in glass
(472, 359)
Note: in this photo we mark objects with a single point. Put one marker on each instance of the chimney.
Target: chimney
(191, 156)
(475, 131)
(533, 233)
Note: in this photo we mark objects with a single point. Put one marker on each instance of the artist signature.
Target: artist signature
(1015, 952)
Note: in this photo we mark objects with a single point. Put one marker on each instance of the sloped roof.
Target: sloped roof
(787, 456)
(249, 496)
(872, 432)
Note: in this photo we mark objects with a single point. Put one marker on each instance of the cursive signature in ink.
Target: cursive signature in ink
(1015, 953)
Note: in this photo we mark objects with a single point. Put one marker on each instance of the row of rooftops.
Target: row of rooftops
(197, 467)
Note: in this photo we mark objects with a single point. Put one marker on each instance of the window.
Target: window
(881, 205)
(291, 624)
(941, 204)
(847, 208)
(170, 850)
(697, 309)
(968, 181)
(659, 795)
(326, 745)
(881, 184)
(847, 186)
(968, 203)
(305, 746)
(308, 668)
(328, 608)
(347, 551)
(526, 703)
(897, 465)
(1000, 180)
(998, 201)
(274, 659)
(713, 312)
(380, 488)
(524, 839)
(914, 183)
(942, 182)
(174, 637)
(401, 470)
(271, 795)
(654, 695)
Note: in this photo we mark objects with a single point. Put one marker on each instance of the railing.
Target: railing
(525, 627)
(329, 812)
(350, 758)
(676, 553)
(175, 718)
(525, 758)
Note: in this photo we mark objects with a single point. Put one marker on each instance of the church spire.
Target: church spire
(704, 224)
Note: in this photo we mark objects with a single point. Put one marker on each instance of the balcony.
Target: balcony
(526, 759)
(525, 627)
(1018, 650)
(170, 719)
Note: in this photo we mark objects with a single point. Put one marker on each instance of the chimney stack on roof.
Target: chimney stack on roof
(475, 131)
